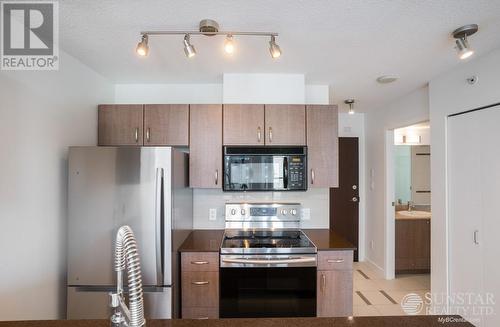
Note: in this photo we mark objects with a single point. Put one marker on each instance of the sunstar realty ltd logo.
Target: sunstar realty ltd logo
(30, 35)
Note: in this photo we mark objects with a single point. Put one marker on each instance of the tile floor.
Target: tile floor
(376, 296)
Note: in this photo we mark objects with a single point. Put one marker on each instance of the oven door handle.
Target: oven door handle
(269, 261)
(285, 173)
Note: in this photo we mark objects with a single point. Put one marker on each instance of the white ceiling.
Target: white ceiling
(343, 43)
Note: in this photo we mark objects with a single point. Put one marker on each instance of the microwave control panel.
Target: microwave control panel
(297, 172)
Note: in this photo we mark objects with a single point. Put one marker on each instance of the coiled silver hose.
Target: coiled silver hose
(127, 257)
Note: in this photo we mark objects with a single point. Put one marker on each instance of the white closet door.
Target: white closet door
(490, 184)
(464, 207)
(474, 205)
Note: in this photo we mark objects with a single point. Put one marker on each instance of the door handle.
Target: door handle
(216, 176)
(200, 283)
(136, 134)
(335, 260)
(323, 283)
(199, 262)
(270, 134)
(285, 173)
(476, 237)
(148, 134)
(258, 134)
(313, 176)
(159, 220)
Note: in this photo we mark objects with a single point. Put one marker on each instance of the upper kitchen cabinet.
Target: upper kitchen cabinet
(285, 124)
(322, 145)
(205, 143)
(166, 124)
(243, 124)
(120, 124)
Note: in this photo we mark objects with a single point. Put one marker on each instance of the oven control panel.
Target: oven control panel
(263, 211)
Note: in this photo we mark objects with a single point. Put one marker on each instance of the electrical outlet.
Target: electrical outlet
(212, 214)
(306, 214)
(372, 244)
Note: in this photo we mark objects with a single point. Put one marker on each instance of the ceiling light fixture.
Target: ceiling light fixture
(274, 48)
(142, 47)
(350, 102)
(208, 27)
(189, 49)
(386, 79)
(462, 44)
(229, 44)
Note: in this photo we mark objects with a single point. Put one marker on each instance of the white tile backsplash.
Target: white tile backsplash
(316, 201)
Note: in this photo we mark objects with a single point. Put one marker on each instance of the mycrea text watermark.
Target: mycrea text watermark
(29, 35)
(470, 305)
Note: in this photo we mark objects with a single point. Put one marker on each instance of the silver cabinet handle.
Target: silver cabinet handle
(148, 134)
(335, 260)
(216, 176)
(200, 283)
(199, 262)
(270, 134)
(476, 237)
(258, 134)
(136, 134)
(323, 283)
(313, 176)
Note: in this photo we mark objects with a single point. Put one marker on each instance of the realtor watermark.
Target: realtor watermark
(29, 35)
(471, 305)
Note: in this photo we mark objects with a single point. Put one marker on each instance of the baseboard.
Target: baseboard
(375, 267)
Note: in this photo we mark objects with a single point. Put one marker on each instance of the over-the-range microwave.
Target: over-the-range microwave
(265, 168)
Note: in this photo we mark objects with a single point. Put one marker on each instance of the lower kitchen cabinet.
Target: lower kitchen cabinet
(200, 285)
(334, 284)
(413, 245)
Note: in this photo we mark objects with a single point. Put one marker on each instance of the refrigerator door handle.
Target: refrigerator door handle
(160, 220)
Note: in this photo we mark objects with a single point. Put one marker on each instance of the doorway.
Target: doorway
(344, 200)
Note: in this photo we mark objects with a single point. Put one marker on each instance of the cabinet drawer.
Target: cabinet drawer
(200, 289)
(200, 261)
(200, 313)
(335, 260)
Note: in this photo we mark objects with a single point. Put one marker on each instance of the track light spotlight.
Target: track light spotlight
(142, 47)
(462, 44)
(274, 48)
(350, 102)
(189, 49)
(229, 44)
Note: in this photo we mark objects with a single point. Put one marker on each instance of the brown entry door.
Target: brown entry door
(344, 200)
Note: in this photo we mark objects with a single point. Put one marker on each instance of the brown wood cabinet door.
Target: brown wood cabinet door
(422, 229)
(243, 124)
(205, 143)
(120, 124)
(323, 146)
(285, 124)
(413, 245)
(166, 124)
(334, 293)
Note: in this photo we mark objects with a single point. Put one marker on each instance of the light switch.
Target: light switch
(212, 214)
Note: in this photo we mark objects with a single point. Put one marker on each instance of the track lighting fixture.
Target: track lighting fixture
(462, 43)
(350, 102)
(274, 48)
(208, 27)
(229, 44)
(189, 49)
(142, 47)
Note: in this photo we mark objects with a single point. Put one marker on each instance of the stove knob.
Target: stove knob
(293, 212)
(233, 212)
(243, 212)
(284, 212)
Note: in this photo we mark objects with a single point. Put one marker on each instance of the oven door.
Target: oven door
(255, 173)
(254, 289)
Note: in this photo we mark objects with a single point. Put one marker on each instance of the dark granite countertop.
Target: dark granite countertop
(325, 240)
(210, 240)
(203, 241)
(407, 321)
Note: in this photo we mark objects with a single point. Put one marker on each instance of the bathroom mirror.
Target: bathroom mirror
(413, 174)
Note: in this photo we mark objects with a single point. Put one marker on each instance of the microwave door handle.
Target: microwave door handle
(285, 172)
(160, 219)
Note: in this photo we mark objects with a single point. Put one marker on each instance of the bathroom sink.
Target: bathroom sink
(414, 214)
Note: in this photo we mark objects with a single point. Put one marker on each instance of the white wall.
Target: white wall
(407, 110)
(168, 93)
(450, 93)
(42, 113)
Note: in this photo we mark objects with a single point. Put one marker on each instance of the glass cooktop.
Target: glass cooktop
(266, 241)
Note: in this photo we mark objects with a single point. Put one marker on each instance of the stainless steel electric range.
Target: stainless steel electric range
(267, 264)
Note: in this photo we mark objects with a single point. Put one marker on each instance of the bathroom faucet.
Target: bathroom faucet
(410, 206)
(127, 257)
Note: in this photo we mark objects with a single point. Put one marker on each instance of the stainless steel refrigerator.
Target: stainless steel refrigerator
(144, 187)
